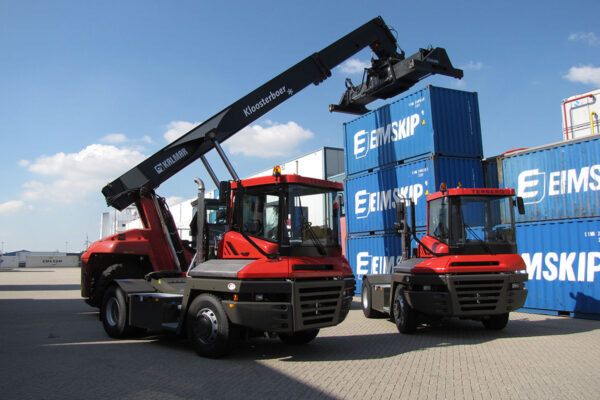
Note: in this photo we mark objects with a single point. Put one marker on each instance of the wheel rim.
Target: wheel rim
(206, 326)
(365, 299)
(113, 311)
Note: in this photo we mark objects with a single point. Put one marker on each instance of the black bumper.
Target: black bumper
(313, 304)
(465, 295)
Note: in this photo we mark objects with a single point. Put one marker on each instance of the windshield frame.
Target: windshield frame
(313, 245)
(462, 238)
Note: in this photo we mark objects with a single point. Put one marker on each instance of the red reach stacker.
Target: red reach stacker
(266, 255)
(466, 265)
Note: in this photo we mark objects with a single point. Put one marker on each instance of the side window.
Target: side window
(252, 216)
(260, 216)
(438, 219)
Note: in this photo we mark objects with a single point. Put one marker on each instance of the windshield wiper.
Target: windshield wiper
(313, 236)
(483, 244)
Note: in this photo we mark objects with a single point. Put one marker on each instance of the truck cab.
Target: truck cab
(465, 266)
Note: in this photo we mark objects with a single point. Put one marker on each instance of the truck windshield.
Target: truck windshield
(473, 224)
(310, 227)
(299, 218)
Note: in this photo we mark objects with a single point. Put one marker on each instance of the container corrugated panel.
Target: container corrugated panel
(371, 198)
(563, 262)
(490, 172)
(375, 254)
(556, 181)
(430, 121)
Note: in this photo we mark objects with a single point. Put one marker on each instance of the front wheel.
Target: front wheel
(208, 327)
(115, 314)
(298, 338)
(495, 322)
(404, 315)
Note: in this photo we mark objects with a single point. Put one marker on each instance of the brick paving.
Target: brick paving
(52, 346)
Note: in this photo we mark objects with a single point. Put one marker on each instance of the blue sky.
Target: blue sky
(89, 89)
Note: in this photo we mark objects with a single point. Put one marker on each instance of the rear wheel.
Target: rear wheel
(208, 327)
(366, 299)
(298, 338)
(495, 322)
(114, 314)
(404, 315)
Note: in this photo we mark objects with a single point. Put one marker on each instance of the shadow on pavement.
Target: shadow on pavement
(62, 344)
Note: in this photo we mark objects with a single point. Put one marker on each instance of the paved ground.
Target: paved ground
(52, 346)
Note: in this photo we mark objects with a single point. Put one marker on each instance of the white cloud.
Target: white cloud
(584, 74)
(274, 140)
(11, 206)
(473, 65)
(24, 163)
(177, 129)
(354, 66)
(589, 37)
(114, 138)
(66, 178)
(147, 139)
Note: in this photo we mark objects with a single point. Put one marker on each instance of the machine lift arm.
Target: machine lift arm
(388, 76)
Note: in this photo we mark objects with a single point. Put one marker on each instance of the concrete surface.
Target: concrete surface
(52, 346)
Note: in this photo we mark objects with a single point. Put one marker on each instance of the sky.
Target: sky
(90, 89)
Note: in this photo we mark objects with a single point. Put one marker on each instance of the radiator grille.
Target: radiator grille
(478, 295)
(318, 306)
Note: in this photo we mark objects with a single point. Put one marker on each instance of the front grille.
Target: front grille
(478, 295)
(317, 305)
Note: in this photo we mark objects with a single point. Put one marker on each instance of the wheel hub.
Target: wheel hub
(207, 325)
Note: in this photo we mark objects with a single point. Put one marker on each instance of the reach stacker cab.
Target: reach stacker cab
(466, 266)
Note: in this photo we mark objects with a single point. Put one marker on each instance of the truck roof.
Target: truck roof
(271, 180)
(472, 192)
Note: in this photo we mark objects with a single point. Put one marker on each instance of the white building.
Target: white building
(581, 115)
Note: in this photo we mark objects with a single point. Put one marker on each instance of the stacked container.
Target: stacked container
(401, 151)
(559, 234)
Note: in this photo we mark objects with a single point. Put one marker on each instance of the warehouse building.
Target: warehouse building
(37, 259)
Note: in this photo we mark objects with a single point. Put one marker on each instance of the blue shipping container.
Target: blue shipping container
(430, 121)
(375, 254)
(556, 181)
(371, 198)
(563, 262)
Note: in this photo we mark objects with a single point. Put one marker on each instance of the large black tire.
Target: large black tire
(298, 338)
(366, 299)
(114, 314)
(496, 322)
(404, 316)
(115, 271)
(208, 328)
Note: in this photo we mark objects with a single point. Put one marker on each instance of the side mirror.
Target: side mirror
(339, 203)
(520, 205)
(400, 211)
(224, 189)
